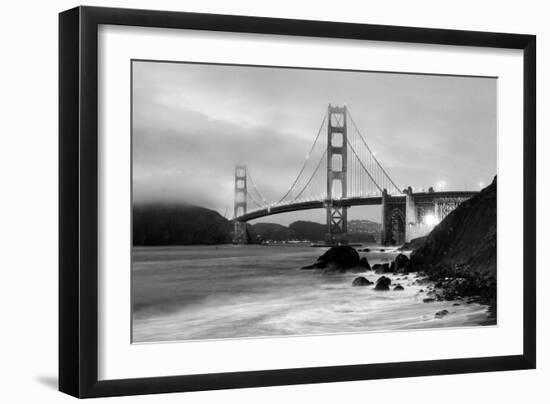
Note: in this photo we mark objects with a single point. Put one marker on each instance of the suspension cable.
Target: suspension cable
(372, 154)
(312, 175)
(306, 160)
(364, 168)
(255, 187)
(254, 200)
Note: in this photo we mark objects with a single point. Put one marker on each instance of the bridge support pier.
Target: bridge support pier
(239, 234)
(411, 219)
(394, 215)
(383, 232)
(337, 223)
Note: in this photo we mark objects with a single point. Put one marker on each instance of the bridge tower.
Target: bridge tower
(337, 147)
(239, 228)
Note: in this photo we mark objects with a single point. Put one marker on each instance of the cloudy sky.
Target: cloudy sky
(193, 122)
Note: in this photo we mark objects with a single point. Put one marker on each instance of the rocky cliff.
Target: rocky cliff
(460, 253)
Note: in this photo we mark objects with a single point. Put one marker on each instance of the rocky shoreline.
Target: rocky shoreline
(399, 274)
(456, 261)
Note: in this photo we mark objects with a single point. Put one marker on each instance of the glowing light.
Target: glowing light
(441, 185)
(430, 220)
(307, 156)
(481, 184)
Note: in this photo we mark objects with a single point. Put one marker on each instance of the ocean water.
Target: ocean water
(236, 291)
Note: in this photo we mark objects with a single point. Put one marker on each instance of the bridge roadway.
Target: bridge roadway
(419, 197)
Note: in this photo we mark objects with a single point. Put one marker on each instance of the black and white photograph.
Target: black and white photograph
(276, 201)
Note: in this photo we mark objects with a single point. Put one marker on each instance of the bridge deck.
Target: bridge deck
(420, 197)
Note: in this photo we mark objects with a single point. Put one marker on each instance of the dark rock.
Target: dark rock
(381, 268)
(383, 283)
(456, 304)
(364, 263)
(365, 250)
(428, 300)
(382, 250)
(398, 287)
(337, 259)
(361, 281)
(401, 264)
(422, 281)
(421, 290)
(441, 314)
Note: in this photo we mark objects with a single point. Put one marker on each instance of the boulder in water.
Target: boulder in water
(441, 314)
(337, 259)
(428, 300)
(361, 281)
(401, 264)
(383, 283)
(398, 287)
(364, 263)
(381, 268)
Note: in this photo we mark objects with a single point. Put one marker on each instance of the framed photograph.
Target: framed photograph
(251, 201)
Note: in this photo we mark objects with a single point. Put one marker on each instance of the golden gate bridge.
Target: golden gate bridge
(341, 171)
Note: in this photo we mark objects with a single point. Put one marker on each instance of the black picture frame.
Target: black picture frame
(78, 201)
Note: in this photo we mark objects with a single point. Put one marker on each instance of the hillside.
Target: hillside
(366, 231)
(463, 247)
(171, 224)
(308, 230)
(273, 232)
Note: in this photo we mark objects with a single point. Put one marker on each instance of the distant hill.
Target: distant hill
(365, 231)
(363, 226)
(177, 224)
(273, 231)
(311, 231)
